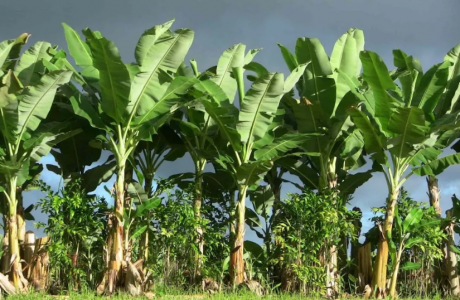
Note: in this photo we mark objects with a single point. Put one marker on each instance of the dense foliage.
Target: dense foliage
(189, 230)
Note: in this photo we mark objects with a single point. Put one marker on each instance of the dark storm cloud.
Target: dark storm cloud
(426, 29)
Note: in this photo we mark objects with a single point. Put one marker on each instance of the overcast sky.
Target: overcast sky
(426, 29)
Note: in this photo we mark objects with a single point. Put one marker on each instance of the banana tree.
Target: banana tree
(26, 98)
(325, 98)
(198, 130)
(129, 102)
(400, 130)
(250, 147)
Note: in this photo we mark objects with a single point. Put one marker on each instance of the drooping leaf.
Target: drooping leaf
(282, 145)
(437, 166)
(262, 199)
(306, 174)
(353, 181)
(255, 249)
(97, 175)
(36, 100)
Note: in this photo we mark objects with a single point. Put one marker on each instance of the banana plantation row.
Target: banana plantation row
(329, 117)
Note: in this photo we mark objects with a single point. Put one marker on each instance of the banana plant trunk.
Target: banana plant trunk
(394, 277)
(381, 261)
(434, 194)
(116, 255)
(331, 264)
(20, 218)
(197, 211)
(236, 256)
(452, 259)
(127, 247)
(144, 240)
(16, 269)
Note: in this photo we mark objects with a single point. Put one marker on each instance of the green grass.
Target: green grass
(170, 297)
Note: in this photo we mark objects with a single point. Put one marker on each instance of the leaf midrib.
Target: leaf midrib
(144, 88)
(29, 115)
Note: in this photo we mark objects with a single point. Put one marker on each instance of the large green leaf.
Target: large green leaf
(409, 80)
(451, 97)
(30, 66)
(255, 249)
(225, 117)
(252, 172)
(410, 266)
(42, 147)
(345, 57)
(431, 87)
(375, 73)
(9, 106)
(283, 144)
(5, 48)
(78, 49)
(164, 106)
(353, 181)
(35, 101)
(425, 156)
(409, 126)
(259, 106)
(437, 166)
(262, 199)
(318, 85)
(147, 205)
(97, 175)
(412, 219)
(9, 53)
(307, 175)
(232, 58)
(294, 77)
(82, 107)
(159, 52)
(289, 58)
(372, 140)
(148, 40)
(114, 77)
